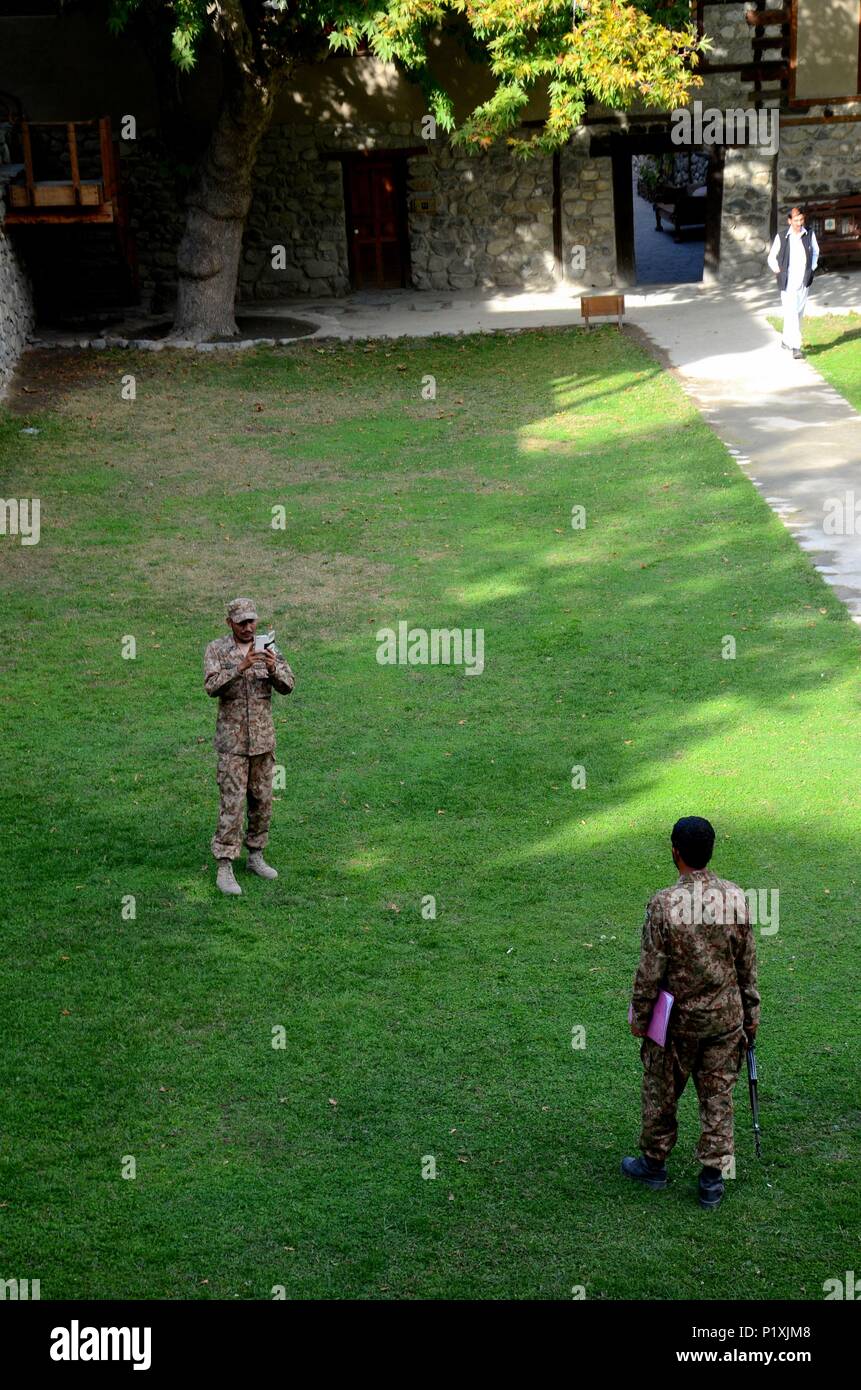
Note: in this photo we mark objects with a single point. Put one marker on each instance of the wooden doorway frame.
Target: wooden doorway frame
(398, 159)
(621, 147)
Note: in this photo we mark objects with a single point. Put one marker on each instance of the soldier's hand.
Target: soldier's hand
(269, 657)
(250, 659)
(636, 1031)
(750, 1033)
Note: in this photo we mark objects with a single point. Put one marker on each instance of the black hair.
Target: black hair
(694, 838)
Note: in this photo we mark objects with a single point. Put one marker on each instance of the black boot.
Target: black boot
(646, 1170)
(711, 1188)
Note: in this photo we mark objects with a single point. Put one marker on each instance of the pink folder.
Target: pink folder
(658, 1023)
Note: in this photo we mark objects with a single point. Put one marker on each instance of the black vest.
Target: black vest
(783, 259)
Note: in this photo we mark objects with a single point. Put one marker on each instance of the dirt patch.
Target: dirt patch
(249, 325)
(199, 575)
(47, 376)
(536, 444)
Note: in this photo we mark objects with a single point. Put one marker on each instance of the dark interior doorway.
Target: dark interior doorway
(670, 194)
(644, 255)
(377, 229)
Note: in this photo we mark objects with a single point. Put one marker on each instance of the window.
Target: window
(826, 51)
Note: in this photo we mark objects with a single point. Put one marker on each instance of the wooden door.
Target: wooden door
(377, 222)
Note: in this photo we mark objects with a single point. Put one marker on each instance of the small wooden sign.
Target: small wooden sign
(424, 203)
(597, 306)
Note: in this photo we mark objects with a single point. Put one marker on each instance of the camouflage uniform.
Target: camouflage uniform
(709, 966)
(244, 741)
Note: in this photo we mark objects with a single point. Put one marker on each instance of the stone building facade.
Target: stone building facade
(16, 309)
(819, 153)
(490, 223)
(483, 221)
(486, 222)
(16, 298)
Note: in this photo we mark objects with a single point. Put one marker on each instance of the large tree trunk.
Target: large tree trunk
(217, 204)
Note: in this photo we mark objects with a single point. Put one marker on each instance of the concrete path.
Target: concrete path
(797, 439)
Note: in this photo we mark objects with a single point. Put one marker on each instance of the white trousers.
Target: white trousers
(794, 303)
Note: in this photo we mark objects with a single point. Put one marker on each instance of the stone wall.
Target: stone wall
(730, 35)
(747, 210)
(155, 185)
(16, 309)
(818, 161)
(491, 226)
(588, 220)
(16, 299)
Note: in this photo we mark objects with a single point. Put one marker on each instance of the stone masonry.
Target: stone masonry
(490, 221)
(813, 161)
(491, 226)
(16, 300)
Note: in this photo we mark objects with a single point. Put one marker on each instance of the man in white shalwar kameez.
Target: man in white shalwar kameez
(794, 257)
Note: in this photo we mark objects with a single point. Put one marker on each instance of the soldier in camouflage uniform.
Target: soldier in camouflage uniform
(244, 680)
(697, 943)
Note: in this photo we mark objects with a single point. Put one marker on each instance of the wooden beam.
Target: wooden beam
(761, 45)
(623, 210)
(106, 151)
(387, 152)
(72, 140)
(16, 216)
(28, 160)
(763, 17)
(714, 212)
(766, 72)
(817, 120)
(58, 194)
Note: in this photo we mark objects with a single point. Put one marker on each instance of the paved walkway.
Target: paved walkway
(797, 439)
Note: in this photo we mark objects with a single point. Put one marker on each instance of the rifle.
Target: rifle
(754, 1096)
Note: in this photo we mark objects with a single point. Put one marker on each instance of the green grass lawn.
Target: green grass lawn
(833, 347)
(406, 1037)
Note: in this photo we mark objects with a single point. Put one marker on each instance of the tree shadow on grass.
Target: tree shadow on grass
(817, 349)
(412, 781)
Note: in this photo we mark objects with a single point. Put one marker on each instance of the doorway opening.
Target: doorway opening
(670, 193)
(375, 201)
(667, 206)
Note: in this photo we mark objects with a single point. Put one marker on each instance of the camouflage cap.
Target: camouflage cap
(240, 609)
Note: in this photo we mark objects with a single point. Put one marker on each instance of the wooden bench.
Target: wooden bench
(680, 207)
(602, 306)
(837, 224)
